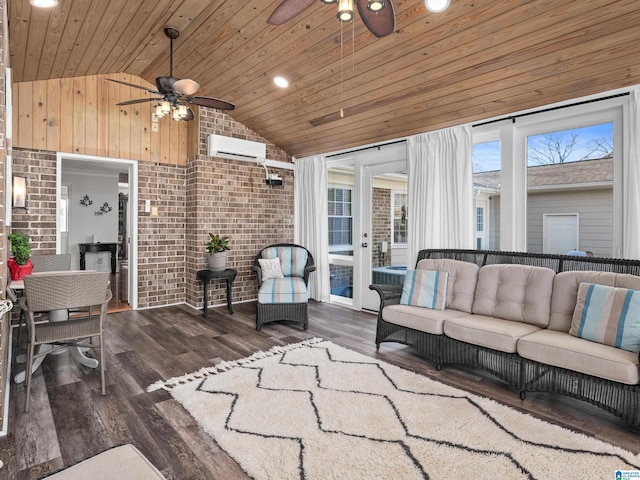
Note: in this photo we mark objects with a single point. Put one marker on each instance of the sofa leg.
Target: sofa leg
(523, 395)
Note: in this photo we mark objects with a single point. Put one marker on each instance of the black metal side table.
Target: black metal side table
(205, 276)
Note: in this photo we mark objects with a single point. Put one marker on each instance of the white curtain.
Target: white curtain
(440, 191)
(311, 226)
(631, 182)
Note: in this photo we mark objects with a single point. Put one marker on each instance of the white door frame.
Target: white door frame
(133, 202)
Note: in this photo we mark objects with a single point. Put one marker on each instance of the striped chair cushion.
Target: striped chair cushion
(283, 290)
(425, 288)
(608, 315)
(292, 259)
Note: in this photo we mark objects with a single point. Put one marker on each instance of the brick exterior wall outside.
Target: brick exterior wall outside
(381, 225)
(231, 198)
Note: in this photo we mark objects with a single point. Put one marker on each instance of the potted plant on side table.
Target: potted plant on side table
(20, 264)
(218, 250)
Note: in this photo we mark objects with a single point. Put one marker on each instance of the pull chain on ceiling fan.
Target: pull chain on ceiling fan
(377, 15)
(176, 94)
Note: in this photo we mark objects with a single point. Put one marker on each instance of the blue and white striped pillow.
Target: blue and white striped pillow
(425, 288)
(608, 315)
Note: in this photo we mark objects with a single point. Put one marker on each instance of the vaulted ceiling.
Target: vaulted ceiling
(478, 59)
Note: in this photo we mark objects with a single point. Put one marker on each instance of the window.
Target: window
(340, 220)
(399, 217)
(479, 219)
(555, 165)
(569, 171)
(486, 157)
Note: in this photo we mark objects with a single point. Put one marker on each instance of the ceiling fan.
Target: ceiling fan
(176, 94)
(377, 15)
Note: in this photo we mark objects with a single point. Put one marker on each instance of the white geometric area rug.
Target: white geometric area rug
(314, 410)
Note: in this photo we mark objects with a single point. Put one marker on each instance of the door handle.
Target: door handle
(365, 245)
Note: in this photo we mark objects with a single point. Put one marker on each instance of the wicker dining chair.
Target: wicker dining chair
(45, 263)
(62, 291)
(285, 298)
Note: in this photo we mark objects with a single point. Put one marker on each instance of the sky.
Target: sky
(486, 156)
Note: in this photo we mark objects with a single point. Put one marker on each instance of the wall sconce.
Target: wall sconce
(86, 201)
(19, 191)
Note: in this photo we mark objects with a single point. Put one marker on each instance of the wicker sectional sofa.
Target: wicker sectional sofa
(510, 314)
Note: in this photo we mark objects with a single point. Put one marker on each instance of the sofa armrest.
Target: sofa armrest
(389, 294)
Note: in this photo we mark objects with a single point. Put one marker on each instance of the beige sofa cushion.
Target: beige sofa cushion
(565, 292)
(487, 331)
(462, 280)
(560, 349)
(418, 318)
(521, 293)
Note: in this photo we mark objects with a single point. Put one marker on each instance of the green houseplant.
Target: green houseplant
(20, 264)
(218, 250)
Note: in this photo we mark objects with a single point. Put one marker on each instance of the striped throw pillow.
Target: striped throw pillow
(608, 315)
(425, 288)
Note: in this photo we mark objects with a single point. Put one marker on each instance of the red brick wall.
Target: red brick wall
(230, 197)
(38, 220)
(381, 214)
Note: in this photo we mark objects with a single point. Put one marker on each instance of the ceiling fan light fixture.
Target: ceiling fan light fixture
(375, 5)
(158, 111)
(437, 5)
(44, 3)
(176, 115)
(345, 10)
(165, 107)
(182, 111)
(329, 2)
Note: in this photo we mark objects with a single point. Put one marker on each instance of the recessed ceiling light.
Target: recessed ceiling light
(44, 3)
(281, 82)
(436, 5)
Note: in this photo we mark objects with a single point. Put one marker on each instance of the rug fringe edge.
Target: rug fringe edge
(173, 382)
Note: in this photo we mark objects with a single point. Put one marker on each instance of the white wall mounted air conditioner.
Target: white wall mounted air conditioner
(235, 148)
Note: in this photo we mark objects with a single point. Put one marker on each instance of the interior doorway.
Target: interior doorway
(97, 221)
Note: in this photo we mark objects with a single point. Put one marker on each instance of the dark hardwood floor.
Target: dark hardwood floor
(69, 420)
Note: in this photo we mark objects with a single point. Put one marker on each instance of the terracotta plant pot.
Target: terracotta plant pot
(218, 261)
(19, 271)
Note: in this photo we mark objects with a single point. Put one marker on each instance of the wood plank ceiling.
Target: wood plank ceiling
(479, 59)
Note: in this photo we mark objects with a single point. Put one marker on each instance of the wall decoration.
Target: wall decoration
(105, 208)
(86, 201)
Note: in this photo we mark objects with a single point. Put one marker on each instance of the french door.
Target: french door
(367, 223)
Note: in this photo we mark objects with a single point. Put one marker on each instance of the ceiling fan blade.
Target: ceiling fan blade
(186, 87)
(287, 10)
(210, 103)
(140, 100)
(190, 116)
(379, 23)
(133, 85)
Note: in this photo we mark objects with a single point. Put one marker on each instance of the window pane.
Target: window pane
(570, 190)
(486, 181)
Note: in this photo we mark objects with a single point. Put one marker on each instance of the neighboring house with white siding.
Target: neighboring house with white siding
(569, 206)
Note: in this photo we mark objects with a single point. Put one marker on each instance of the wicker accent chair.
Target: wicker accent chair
(286, 298)
(62, 291)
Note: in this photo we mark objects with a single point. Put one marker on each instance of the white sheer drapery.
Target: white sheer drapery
(631, 182)
(311, 229)
(440, 191)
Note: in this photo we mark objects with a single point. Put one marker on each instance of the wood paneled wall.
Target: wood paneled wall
(80, 115)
